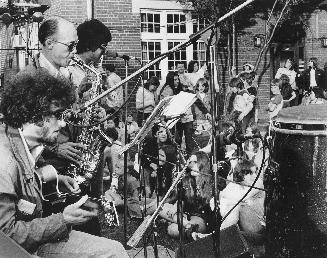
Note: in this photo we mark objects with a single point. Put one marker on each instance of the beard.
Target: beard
(49, 136)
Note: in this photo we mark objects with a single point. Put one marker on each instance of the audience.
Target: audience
(146, 99)
(286, 91)
(276, 102)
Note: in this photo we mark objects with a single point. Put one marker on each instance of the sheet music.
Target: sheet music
(178, 105)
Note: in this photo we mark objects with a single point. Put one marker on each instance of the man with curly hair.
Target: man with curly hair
(32, 108)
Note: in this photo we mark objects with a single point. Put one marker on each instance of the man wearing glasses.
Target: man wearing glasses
(58, 38)
(93, 37)
(32, 107)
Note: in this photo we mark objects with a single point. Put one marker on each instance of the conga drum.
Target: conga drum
(296, 184)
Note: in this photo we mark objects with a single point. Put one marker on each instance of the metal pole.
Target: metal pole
(125, 159)
(92, 8)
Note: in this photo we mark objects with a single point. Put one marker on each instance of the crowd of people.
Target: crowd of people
(290, 88)
(35, 135)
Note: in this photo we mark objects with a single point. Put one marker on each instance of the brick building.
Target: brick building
(147, 28)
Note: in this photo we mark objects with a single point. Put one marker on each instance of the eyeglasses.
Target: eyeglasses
(103, 46)
(71, 46)
(58, 114)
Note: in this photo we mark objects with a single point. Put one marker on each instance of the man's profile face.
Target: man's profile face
(66, 35)
(97, 54)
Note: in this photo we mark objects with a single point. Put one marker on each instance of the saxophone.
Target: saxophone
(93, 138)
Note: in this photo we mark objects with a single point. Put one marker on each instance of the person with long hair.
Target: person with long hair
(195, 72)
(289, 70)
(146, 99)
(286, 90)
(197, 192)
(312, 76)
(171, 87)
(201, 90)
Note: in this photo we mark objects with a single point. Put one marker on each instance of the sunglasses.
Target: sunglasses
(103, 46)
(71, 46)
(58, 114)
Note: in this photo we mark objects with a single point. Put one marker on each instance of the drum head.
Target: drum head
(303, 119)
(304, 114)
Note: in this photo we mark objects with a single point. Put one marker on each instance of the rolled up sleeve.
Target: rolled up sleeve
(27, 230)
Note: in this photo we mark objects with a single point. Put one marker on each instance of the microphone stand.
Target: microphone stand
(125, 158)
(133, 241)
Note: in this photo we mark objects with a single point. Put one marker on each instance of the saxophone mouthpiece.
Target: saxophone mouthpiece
(77, 60)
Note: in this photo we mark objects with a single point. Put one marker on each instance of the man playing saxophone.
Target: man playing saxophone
(58, 38)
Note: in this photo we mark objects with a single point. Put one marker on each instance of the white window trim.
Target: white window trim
(165, 37)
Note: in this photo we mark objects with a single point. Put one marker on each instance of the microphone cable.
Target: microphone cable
(253, 184)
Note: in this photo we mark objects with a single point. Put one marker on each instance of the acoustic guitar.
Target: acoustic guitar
(56, 198)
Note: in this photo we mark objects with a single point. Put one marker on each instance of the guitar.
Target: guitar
(56, 199)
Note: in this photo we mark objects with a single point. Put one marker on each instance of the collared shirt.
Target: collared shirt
(313, 82)
(34, 154)
(44, 63)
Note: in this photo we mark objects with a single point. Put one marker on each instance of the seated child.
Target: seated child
(250, 213)
(276, 102)
(315, 96)
(132, 128)
(197, 191)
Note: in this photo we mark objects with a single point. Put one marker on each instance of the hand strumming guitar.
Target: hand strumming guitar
(80, 211)
(70, 183)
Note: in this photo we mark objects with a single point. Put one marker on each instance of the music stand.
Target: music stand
(172, 108)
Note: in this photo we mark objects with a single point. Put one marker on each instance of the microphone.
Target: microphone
(240, 138)
(236, 137)
(123, 56)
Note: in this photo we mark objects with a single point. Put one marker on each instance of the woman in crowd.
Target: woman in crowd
(276, 102)
(195, 72)
(288, 70)
(171, 87)
(241, 105)
(286, 90)
(201, 89)
(146, 99)
(197, 192)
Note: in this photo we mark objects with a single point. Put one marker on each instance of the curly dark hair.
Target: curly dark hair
(91, 35)
(190, 67)
(28, 96)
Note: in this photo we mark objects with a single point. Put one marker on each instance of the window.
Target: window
(176, 57)
(150, 50)
(198, 23)
(199, 52)
(150, 22)
(176, 23)
(162, 30)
